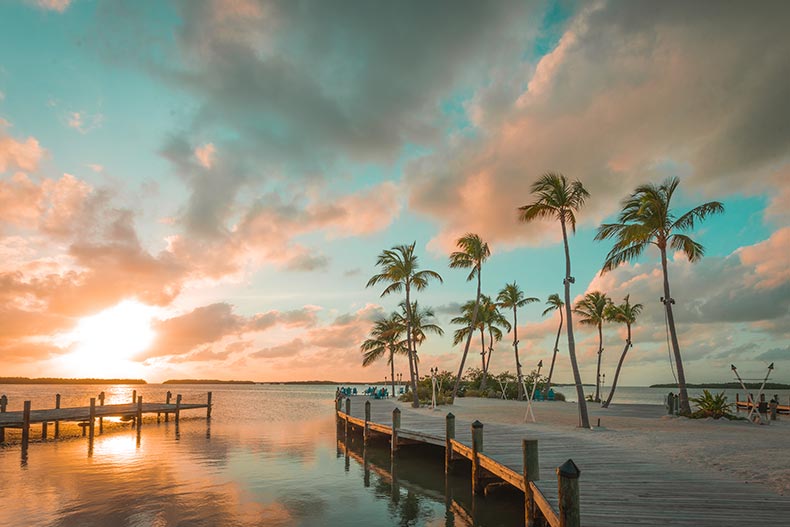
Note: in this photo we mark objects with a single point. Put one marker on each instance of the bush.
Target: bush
(709, 405)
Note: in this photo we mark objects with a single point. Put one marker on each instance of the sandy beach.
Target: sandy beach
(749, 453)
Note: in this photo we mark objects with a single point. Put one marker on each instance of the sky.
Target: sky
(200, 188)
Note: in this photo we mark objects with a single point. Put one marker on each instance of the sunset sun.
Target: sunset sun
(104, 342)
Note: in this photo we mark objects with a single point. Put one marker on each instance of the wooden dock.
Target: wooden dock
(87, 416)
(615, 486)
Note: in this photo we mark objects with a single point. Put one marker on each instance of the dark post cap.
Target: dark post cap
(477, 424)
(569, 470)
(396, 410)
(450, 415)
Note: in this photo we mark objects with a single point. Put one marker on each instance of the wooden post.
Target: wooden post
(57, 422)
(395, 427)
(568, 485)
(529, 449)
(139, 412)
(167, 401)
(449, 435)
(366, 431)
(773, 406)
(91, 418)
(348, 413)
(25, 425)
(178, 407)
(44, 430)
(3, 403)
(208, 407)
(477, 447)
(101, 419)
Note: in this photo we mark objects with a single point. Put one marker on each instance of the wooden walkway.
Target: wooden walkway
(616, 486)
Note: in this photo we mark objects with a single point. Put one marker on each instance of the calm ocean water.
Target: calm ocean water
(270, 456)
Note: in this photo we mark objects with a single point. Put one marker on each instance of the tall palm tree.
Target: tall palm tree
(559, 199)
(400, 269)
(626, 314)
(421, 324)
(468, 327)
(555, 304)
(592, 309)
(646, 218)
(512, 297)
(385, 340)
(491, 319)
(473, 251)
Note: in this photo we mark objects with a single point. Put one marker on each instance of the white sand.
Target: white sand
(748, 452)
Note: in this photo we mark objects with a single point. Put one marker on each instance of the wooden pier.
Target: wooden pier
(602, 486)
(87, 416)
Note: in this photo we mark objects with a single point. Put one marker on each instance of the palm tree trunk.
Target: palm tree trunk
(598, 373)
(520, 386)
(685, 408)
(416, 398)
(490, 349)
(617, 371)
(483, 357)
(469, 336)
(584, 420)
(392, 370)
(554, 357)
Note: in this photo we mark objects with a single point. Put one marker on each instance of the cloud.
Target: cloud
(18, 155)
(631, 93)
(84, 122)
(205, 154)
(52, 5)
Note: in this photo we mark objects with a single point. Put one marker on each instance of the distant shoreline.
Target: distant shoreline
(58, 380)
(728, 385)
(205, 381)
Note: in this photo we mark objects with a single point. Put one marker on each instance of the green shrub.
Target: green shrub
(709, 405)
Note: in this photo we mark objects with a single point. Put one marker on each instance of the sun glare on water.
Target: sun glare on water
(104, 342)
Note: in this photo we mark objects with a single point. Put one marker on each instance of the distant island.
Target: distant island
(730, 385)
(58, 380)
(205, 381)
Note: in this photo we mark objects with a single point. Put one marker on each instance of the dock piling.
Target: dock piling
(25, 425)
(167, 401)
(178, 407)
(568, 486)
(477, 447)
(139, 412)
(348, 413)
(3, 403)
(91, 419)
(366, 431)
(449, 435)
(529, 448)
(208, 408)
(101, 419)
(395, 427)
(44, 430)
(57, 422)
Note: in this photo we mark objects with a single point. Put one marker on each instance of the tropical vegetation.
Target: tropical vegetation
(592, 312)
(624, 313)
(512, 297)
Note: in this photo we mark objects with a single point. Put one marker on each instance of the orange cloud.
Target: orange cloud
(22, 155)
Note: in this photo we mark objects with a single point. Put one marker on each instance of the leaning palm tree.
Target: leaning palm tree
(492, 320)
(399, 267)
(421, 324)
(385, 340)
(646, 218)
(592, 309)
(473, 252)
(626, 314)
(559, 199)
(468, 327)
(512, 297)
(555, 304)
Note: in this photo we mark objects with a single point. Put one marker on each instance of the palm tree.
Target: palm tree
(468, 327)
(385, 340)
(399, 267)
(421, 324)
(559, 199)
(473, 252)
(592, 309)
(491, 319)
(646, 218)
(512, 297)
(555, 304)
(626, 314)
